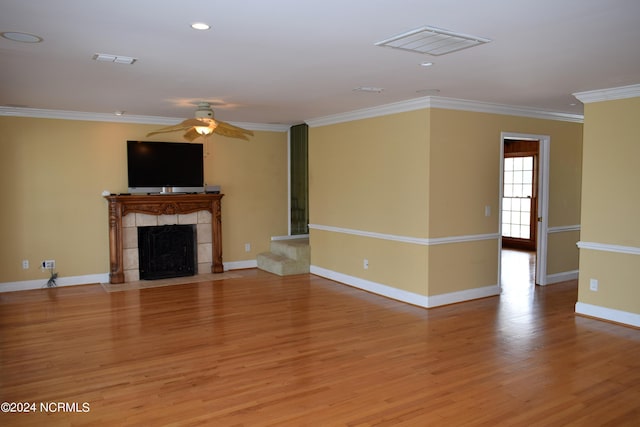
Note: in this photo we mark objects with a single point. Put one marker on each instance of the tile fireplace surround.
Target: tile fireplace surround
(127, 212)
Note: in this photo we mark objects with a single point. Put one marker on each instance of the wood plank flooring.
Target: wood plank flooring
(265, 350)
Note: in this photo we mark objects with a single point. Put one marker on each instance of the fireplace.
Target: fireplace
(127, 212)
(167, 251)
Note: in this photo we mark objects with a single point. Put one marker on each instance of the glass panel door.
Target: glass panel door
(518, 197)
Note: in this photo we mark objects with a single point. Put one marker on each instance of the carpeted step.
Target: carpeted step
(286, 257)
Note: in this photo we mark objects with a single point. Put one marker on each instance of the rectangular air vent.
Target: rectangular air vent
(432, 41)
(118, 59)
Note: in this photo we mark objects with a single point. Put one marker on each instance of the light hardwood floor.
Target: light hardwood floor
(305, 351)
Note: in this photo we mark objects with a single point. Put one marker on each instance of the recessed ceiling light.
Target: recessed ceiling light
(426, 64)
(119, 113)
(21, 37)
(200, 26)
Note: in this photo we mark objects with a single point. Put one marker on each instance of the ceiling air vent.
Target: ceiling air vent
(432, 41)
(118, 59)
(368, 89)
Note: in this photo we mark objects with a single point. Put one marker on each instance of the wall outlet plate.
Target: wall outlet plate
(49, 264)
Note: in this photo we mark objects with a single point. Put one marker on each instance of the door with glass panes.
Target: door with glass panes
(519, 202)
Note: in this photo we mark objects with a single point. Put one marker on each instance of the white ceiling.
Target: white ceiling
(287, 61)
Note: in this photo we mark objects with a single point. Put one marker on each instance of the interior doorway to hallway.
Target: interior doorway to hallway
(299, 180)
(520, 194)
(524, 197)
(518, 272)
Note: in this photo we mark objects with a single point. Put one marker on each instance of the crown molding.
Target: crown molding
(447, 104)
(365, 113)
(507, 110)
(612, 94)
(108, 117)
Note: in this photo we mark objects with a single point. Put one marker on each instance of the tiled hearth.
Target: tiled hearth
(131, 222)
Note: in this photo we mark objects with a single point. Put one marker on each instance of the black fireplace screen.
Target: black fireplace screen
(167, 251)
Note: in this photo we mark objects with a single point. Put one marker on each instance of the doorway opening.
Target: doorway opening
(520, 194)
(299, 180)
(523, 208)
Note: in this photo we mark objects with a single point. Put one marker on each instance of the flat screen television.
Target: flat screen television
(165, 167)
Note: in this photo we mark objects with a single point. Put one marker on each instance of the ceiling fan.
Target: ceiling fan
(205, 124)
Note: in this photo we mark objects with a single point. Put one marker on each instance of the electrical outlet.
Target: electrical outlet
(49, 264)
(25, 264)
(365, 264)
(247, 247)
(593, 285)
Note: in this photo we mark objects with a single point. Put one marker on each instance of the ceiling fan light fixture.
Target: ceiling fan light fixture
(204, 130)
(204, 111)
(204, 124)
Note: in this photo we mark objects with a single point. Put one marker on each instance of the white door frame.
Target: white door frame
(543, 202)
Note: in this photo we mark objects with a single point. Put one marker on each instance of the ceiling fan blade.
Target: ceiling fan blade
(191, 134)
(231, 131)
(184, 125)
(165, 130)
(194, 122)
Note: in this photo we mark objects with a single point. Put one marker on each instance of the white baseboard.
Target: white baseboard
(462, 296)
(562, 277)
(618, 316)
(406, 296)
(373, 287)
(239, 265)
(27, 285)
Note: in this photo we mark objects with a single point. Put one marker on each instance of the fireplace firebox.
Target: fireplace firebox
(167, 251)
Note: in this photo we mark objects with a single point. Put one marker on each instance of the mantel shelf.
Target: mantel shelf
(161, 204)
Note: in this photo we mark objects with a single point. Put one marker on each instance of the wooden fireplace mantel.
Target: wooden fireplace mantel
(160, 204)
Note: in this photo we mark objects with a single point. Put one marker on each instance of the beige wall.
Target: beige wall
(370, 174)
(421, 175)
(610, 204)
(562, 256)
(465, 166)
(53, 172)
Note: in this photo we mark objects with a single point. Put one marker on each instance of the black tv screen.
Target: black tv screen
(164, 167)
